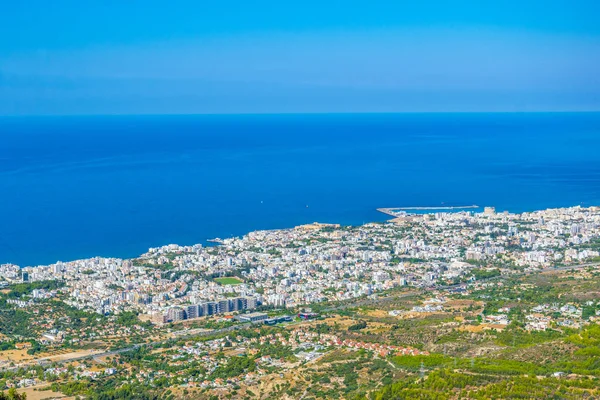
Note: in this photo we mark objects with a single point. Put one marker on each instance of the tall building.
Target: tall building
(192, 311)
(489, 210)
(224, 306)
(175, 314)
(238, 304)
(203, 309)
(159, 317)
(251, 303)
(211, 308)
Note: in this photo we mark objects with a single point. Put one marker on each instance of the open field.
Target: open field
(228, 281)
(17, 356)
(66, 355)
(33, 393)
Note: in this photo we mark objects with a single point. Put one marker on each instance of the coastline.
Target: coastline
(396, 211)
(397, 217)
(109, 192)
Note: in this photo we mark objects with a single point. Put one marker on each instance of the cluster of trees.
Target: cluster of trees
(235, 366)
(480, 274)
(358, 326)
(513, 336)
(21, 289)
(414, 363)
(10, 345)
(108, 390)
(126, 392)
(16, 322)
(445, 383)
(277, 351)
(321, 328)
(12, 395)
(485, 378)
(22, 323)
(129, 319)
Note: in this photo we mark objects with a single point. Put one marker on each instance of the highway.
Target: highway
(180, 334)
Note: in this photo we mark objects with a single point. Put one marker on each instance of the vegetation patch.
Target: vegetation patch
(229, 280)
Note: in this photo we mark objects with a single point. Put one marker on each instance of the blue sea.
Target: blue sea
(75, 187)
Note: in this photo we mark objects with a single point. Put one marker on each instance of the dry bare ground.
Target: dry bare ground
(33, 394)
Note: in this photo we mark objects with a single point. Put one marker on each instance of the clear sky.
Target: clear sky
(129, 57)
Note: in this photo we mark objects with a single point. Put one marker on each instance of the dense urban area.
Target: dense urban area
(446, 305)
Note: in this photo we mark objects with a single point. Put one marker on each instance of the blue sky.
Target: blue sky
(147, 57)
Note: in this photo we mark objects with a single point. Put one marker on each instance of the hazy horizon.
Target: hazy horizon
(324, 113)
(267, 57)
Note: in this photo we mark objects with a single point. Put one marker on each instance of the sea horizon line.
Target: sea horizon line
(300, 113)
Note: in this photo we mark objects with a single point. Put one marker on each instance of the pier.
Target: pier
(393, 211)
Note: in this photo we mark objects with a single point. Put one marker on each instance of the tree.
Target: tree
(12, 395)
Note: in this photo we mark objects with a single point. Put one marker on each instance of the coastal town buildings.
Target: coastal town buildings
(322, 262)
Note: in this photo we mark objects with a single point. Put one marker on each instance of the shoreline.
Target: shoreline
(213, 242)
(431, 208)
(394, 211)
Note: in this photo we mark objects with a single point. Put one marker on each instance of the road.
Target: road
(110, 353)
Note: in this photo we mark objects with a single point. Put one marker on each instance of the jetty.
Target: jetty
(393, 211)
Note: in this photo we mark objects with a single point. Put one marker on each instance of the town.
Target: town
(266, 314)
(322, 262)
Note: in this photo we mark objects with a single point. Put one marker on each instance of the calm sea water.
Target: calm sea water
(74, 187)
